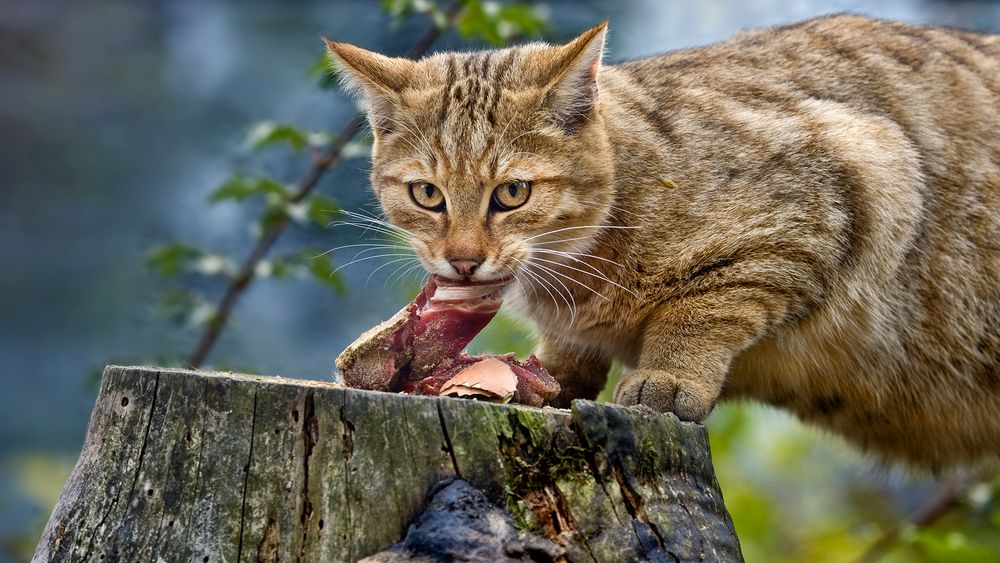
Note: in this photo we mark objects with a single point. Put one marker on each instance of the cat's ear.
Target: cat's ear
(572, 89)
(376, 79)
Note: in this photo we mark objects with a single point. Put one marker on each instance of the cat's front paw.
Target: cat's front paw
(659, 390)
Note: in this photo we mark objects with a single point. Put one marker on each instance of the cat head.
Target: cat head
(485, 156)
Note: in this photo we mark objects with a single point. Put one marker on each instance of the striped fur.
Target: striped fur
(807, 216)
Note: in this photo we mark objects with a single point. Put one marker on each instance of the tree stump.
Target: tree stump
(195, 466)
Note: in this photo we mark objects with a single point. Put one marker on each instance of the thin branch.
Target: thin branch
(322, 164)
(943, 501)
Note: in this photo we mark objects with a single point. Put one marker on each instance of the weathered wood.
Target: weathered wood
(193, 466)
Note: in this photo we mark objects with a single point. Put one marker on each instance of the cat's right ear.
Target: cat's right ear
(573, 68)
(376, 79)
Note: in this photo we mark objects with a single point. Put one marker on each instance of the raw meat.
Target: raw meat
(420, 347)
(534, 385)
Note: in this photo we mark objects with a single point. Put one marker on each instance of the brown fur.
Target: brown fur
(807, 216)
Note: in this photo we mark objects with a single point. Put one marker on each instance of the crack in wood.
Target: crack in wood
(347, 435)
(591, 458)
(447, 441)
(201, 449)
(100, 524)
(246, 477)
(538, 470)
(634, 504)
(142, 448)
(694, 522)
(142, 451)
(310, 436)
(407, 434)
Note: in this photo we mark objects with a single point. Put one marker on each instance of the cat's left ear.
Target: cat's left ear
(376, 79)
(572, 91)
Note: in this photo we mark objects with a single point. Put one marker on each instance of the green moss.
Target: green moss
(534, 425)
(537, 455)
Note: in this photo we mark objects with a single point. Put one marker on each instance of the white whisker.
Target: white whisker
(513, 274)
(376, 220)
(539, 244)
(355, 261)
(397, 260)
(400, 247)
(395, 272)
(568, 254)
(538, 276)
(570, 278)
(579, 227)
(603, 278)
(537, 279)
(409, 270)
(365, 227)
(567, 296)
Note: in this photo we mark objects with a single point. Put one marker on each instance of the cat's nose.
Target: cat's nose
(464, 267)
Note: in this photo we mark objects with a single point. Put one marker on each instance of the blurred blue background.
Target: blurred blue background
(118, 118)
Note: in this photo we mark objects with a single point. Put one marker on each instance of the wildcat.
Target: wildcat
(807, 216)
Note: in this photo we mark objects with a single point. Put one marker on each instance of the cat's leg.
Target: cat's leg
(581, 372)
(688, 346)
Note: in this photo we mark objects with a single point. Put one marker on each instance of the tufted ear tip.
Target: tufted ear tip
(587, 50)
(368, 71)
(599, 30)
(376, 79)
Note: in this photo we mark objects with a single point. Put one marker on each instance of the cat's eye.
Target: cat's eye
(510, 195)
(427, 196)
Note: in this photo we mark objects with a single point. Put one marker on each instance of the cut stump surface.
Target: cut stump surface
(195, 466)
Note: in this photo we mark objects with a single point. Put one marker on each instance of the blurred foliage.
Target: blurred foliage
(38, 478)
(499, 23)
(795, 493)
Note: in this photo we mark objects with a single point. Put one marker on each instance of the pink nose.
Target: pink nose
(464, 267)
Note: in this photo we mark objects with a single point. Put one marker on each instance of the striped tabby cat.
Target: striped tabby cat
(807, 216)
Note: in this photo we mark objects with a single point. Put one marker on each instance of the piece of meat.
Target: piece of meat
(534, 384)
(489, 380)
(420, 347)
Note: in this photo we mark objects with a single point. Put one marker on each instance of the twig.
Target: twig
(940, 503)
(325, 162)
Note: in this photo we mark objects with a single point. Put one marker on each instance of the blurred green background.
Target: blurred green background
(146, 145)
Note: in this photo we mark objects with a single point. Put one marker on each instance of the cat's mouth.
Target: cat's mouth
(466, 290)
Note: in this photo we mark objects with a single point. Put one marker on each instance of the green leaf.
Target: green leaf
(269, 133)
(275, 213)
(305, 264)
(398, 8)
(498, 23)
(322, 270)
(474, 21)
(952, 546)
(185, 307)
(241, 186)
(324, 70)
(322, 210)
(173, 259)
(521, 19)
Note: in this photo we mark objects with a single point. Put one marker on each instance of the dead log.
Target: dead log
(194, 466)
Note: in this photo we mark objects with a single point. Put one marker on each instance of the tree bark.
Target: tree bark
(194, 466)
